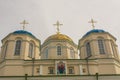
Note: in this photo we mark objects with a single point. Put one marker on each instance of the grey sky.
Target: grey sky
(73, 14)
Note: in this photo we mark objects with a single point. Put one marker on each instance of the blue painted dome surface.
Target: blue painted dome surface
(23, 32)
(94, 31)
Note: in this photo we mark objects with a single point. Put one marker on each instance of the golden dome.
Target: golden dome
(59, 37)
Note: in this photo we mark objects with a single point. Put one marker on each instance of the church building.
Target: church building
(22, 53)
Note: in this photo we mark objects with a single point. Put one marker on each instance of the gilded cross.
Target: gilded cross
(24, 23)
(92, 22)
(58, 26)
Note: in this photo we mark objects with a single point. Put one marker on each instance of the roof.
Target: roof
(59, 37)
(23, 32)
(94, 31)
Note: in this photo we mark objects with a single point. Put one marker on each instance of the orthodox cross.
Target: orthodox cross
(58, 26)
(24, 23)
(92, 22)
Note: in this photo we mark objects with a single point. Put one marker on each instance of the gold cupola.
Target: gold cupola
(60, 37)
(58, 46)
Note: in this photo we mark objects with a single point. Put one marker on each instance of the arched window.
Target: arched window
(101, 46)
(46, 53)
(113, 49)
(18, 47)
(58, 50)
(88, 49)
(30, 50)
(4, 51)
(72, 53)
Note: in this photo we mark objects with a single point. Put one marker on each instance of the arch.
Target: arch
(31, 41)
(100, 37)
(86, 41)
(59, 44)
(18, 38)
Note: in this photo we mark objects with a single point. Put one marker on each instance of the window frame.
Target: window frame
(18, 47)
(101, 46)
(88, 49)
(72, 53)
(71, 70)
(46, 53)
(4, 50)
(59, 50)
(50, 70)
(31, 50)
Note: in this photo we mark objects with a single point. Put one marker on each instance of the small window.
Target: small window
(72, 53)
(71, 70)
(46, 53)
(30, 50)
(113, 49)
(4, 51)
(18, 47)
(84, 70)
(51, 70)
(58, 50)
(37, 70)
(88, 49)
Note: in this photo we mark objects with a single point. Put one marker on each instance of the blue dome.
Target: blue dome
(23, 32)
(94, 31)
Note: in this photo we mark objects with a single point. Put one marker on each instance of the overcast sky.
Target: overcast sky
(73, 14)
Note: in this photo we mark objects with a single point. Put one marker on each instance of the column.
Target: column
(81, 71)
(40, 69)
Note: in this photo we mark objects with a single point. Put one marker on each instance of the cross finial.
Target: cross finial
(24, 23)
(92, 22)
(58, 25)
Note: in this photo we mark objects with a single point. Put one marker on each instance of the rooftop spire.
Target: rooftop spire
(92, 22)
(58, 26)
(24, 23)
